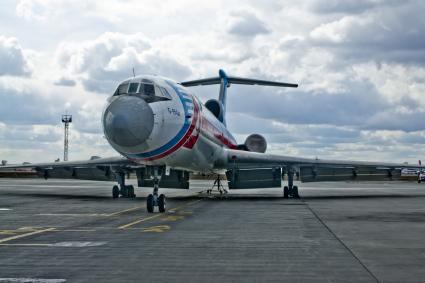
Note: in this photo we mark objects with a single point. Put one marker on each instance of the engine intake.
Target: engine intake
(216, 108)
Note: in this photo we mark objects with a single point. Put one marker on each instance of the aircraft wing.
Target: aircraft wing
(316, 170)
(99, 169)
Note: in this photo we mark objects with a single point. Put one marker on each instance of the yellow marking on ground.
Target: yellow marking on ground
(156, 215)
(29, 229)
(75, 214)
(125, 210)
(75, 230)
(27, 245)
(139, 221)
(18, 231)
(91, 214)
(25, 235)
(172, 218)
(156, 229)
(7, 232)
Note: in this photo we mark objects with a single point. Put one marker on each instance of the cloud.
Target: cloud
(32, 9)
(65, 82)
(101, 63)
(379, 35)
(246, 24)
(12, 58)
(359, 65)
(33, 106)
(351, 6)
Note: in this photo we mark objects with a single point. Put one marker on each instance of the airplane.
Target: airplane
(162, 132)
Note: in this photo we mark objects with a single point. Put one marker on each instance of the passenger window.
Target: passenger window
(133, 87)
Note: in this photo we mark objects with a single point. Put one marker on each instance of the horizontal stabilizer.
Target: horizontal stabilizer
(236, 80)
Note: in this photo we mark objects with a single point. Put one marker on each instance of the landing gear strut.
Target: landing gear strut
(219, 185)
(125, 191)
(153, 199)
(290, 190)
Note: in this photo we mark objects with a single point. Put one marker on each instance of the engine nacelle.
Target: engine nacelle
(216, 108)
(255, 143)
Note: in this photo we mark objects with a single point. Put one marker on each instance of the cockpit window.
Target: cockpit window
(133, 87)
(122, 89)
(147, 89)
(165, 92)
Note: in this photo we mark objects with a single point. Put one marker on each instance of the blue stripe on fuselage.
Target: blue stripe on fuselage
(179, 135)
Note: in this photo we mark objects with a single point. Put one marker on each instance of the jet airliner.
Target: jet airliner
(163, 132)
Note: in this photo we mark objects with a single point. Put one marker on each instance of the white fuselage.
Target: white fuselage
(184, 135)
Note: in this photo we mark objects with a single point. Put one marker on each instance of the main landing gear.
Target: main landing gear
(290, 190)
(125, 191)
(153, 199)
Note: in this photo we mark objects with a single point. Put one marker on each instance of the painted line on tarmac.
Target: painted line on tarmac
(77, 244)
(172, 218)
(31, 280)
(74, 214)
(91, 214)
(25, 235)
(5, 209)
(173, 210)
(156, 229)
(71, 244)
(138, 221)
(75, 230)
(125, 210)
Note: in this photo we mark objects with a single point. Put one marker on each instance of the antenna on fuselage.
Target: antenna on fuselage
(134, 74)
(225, 82)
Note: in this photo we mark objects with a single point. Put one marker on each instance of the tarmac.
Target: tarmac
(73, 231)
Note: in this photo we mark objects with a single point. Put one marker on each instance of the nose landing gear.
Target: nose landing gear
(153, 199)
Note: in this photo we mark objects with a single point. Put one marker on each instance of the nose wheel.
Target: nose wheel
(152, 202)
(154, 199)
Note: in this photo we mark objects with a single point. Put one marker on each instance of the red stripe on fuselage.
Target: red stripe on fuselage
(213, 132)
(185, 137)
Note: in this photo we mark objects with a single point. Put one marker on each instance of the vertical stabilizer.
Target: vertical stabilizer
(224, 84)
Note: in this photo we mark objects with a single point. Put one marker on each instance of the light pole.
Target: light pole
(66, 119)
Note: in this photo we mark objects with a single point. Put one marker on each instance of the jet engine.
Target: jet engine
(216, 108)
(255, 143)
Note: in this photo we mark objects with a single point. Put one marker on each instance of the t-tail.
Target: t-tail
(218, 107)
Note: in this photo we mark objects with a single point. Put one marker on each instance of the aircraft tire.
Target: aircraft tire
(131, 191)
(161, 203)
(295, 192)
(115, 192)
(285, 192)
(149, 203)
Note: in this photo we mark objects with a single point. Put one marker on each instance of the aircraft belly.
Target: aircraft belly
(201, 158)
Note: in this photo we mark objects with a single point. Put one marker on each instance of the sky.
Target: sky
(359, 65)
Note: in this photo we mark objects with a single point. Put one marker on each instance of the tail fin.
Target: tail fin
(225, 82)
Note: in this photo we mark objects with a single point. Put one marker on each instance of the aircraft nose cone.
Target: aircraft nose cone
(128, 121)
